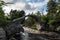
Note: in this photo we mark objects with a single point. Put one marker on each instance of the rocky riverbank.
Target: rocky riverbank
(2, 34)
(44, 36)
(37, 35)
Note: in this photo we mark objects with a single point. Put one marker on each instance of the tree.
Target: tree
(3, 20)
(58, 13)
(52, 10)
(33, 19)
(14, 14)
(59, 5)
(30, 21)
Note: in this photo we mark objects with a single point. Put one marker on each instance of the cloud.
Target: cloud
(28, 5)
(46, 0)
(34, 5)
(7, 0)
(45, 12)
(6, 9)
(19, 5)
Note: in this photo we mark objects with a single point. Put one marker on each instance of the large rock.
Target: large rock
(52, 36)
(2, 34)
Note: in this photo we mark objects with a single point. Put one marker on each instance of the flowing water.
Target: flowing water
(24, 35)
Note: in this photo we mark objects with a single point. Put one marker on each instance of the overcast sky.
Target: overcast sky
(27, 5)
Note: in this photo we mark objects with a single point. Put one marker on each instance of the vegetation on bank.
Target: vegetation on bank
(50, 21)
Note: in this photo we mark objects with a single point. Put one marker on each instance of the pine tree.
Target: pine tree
(52, 10)
(58, 13)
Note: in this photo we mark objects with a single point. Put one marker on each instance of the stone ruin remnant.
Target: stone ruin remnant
(12, 30)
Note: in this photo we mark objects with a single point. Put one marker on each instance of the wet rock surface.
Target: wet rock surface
(34, 36)
(41, 35)
(2, 34)
(44, 36)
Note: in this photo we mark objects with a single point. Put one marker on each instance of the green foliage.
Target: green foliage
(38, 13)
(34, 26)
(43, 19)
(14, 14)
(52, 9)
(3, 20)
(1, 3)
(58, 13)
(51, 15)
(29, 21)
(34, 18)
(51, 22)
(58, 5)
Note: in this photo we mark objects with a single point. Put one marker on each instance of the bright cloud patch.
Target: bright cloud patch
(28, 6)
(8, 0)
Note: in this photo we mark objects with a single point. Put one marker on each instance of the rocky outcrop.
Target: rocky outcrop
(2, 34)
(44, 36)
(41, 35)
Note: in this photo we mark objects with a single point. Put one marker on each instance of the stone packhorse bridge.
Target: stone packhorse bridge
(14, 31)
